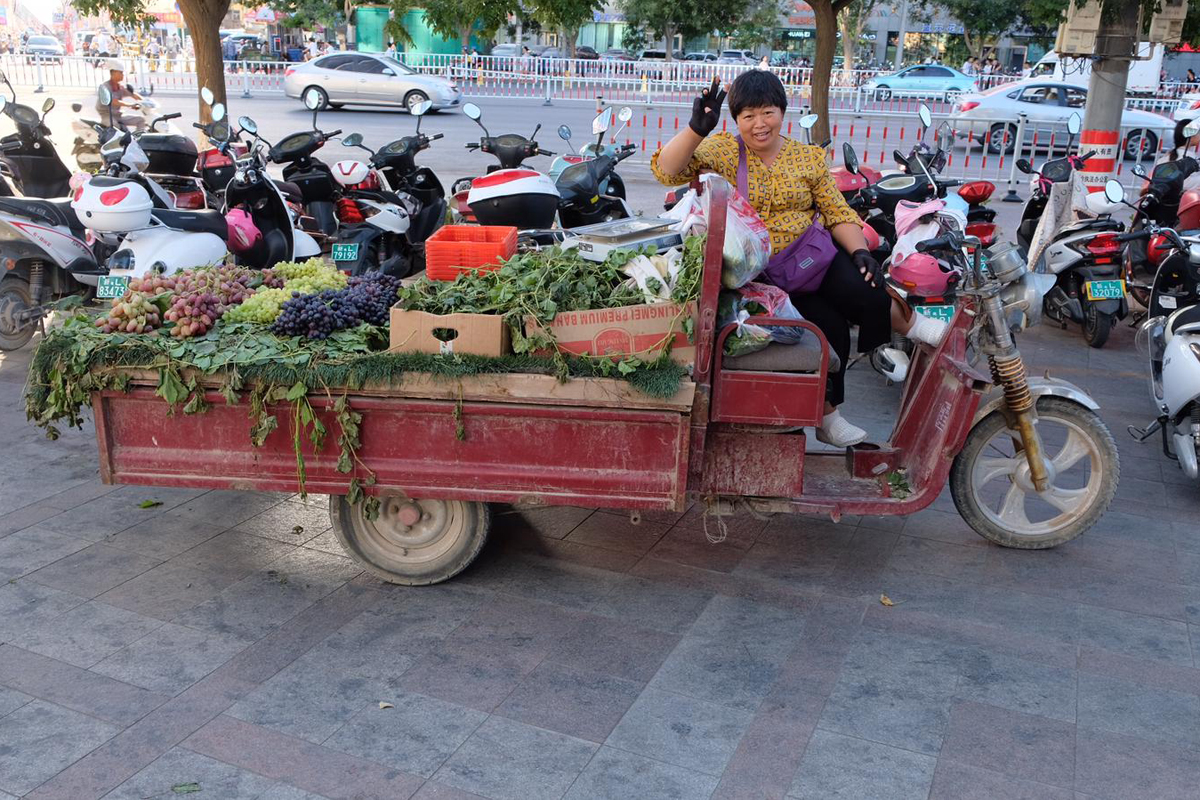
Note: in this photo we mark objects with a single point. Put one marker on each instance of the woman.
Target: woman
(789, 184)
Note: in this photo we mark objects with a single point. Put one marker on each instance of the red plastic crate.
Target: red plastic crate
(456, 248)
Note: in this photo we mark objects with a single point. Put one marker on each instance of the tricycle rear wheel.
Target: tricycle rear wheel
(413, 541)
(990, 484)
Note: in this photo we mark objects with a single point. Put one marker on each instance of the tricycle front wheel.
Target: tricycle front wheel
(413, 541)
(990, 482)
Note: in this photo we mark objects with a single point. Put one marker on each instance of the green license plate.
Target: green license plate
(111, 286)
(1105, 290)
(944, 313)
(345, 252)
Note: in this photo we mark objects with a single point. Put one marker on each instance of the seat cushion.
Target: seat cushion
(194, 221)
(1183, 318)
(776, 357)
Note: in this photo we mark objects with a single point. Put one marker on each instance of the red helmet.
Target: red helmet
(1189, 210)
(871, 235)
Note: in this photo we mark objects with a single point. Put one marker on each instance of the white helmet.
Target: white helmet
(114, 65)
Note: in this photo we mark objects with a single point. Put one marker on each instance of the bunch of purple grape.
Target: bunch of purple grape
(367, 299)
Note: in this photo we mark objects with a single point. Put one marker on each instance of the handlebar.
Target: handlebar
(197, 126)
(331, 134)
(950, 239)
(1133, 236)
(1087, 155)
(540, 151)
(436, 136)
(175, 115)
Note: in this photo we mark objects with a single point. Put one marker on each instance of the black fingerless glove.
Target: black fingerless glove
(706, 109)
(867, 265)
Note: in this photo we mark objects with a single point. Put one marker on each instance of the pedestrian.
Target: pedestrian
(153, 52)
(764, 63)
(526, 60)
(313, 48)
(1191, 76)
(391, 50)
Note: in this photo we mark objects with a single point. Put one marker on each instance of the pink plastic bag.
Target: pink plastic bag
(777, 304)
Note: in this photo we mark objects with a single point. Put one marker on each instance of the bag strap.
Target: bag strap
(743, 171)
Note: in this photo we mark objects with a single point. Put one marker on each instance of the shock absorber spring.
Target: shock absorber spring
(35, 283)
(1009, 373)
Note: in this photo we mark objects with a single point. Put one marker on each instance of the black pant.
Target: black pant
(845, 299)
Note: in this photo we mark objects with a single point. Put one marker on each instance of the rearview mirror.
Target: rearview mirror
(49, 104)
(421, 108)
(218, 112)
(206, 95)
(105, 94)
(248, 125)
(77, 107)
(625, 114)
(353, 140)
(849, 157)
(925, 115)
(312, 99)
(564, 132)
(602, 122)
(472, 111)
(3, 77)
(3, 103)
(808, 121)
(1192, 128)
(1114, 192)
(1024, 166)
(1074, 124)
(1140, 171)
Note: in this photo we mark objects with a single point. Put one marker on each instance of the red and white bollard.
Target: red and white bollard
(1096, 170)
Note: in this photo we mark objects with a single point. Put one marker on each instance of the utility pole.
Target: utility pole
(900, 36)
(1115, 47)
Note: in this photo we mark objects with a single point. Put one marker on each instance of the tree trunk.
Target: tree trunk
(670, 40)
(569, 35)
(203, 18)
(826, 19)
(464, 33)
(846, 22)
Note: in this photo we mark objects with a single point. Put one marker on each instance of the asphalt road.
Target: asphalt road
(276, 117)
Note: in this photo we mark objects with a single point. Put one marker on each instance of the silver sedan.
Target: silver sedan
(368, 79)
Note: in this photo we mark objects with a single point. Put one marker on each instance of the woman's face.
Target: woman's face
(759, 127)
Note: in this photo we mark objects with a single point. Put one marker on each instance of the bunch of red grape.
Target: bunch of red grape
(194, 313)
(152, 284)
(133, 313)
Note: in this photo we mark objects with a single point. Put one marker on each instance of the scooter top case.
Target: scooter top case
(169, 153)
(112, 205)
(523, 198)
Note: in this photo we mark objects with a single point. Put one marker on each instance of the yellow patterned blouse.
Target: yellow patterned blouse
(783, 195)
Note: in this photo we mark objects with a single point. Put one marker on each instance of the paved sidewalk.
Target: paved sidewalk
(222, 641)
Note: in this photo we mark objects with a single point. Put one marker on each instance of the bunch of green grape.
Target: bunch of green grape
(262, 307)
(310, 277)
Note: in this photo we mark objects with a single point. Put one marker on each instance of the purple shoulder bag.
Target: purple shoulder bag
(801, 266)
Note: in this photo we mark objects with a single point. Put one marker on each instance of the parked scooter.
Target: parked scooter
(614, 186)
(1076, 240)
(580, 186)
(1170, 337)
(312, 176)
(509, 194)
(28, 157)
(399, 171)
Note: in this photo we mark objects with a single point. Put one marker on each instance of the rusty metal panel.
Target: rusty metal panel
(754, 464)
(563, 455)
(768, 398)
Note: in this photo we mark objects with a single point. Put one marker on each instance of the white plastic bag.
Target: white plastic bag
(747, 240)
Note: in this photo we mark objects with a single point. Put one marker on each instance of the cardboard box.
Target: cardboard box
(641, 331)
(477, 334)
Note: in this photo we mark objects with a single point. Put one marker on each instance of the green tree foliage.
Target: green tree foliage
(566, 16)
(758, 25)
(658, 20)
(308, 14)
(851, 21)
(453, 19)
(984, 22)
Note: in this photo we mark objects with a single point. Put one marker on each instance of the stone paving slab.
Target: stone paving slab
(224, 639)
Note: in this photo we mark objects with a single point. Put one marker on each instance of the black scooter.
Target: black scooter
(28, 156)
(311, 175)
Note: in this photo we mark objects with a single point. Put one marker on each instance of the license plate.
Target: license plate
(944, 313)
(345, 252)
(1105, 290)
(111, 286)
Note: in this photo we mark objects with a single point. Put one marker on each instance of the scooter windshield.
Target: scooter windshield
(1057, 170)
(582, 181)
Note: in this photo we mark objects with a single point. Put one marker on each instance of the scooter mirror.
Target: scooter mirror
(1114, 192)
(77, 107)
(564, 132)
(206, 95)
(3, 77)
(625, 114)
(1192, 128)
(353, 140)
(925, 115)
(3, 103)
(422, 108)
(248, 125)
(312, 99)
(849, 157)
(1140, 171)
(48, 105)
(1074, 123)
(602, 122)
(218, 112)
(472, 111)
(808, 121)
(1024, 165)
(105, 94)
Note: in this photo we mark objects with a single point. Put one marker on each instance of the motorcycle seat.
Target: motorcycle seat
(194, 221)
(1091, 224)
(291, 191)
(51, 212)
(1183, 320)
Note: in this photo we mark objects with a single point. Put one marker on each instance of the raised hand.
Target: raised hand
(706, 109)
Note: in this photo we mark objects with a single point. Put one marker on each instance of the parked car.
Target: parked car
(552, 52)
(923, 80)
(616, 54)
(45, 48)
(368, 79)
(1047, 106)
(736, 57)
(585, 52)
(506, 49)
(706, 57)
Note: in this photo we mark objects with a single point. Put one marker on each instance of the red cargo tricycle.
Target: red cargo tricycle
(1030, 464)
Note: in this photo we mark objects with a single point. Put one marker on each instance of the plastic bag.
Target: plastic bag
(655, 275)
(775, 303)
(747, 338)
(747, 240)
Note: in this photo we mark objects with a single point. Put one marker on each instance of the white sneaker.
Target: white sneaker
(836, 431)
(926, 329)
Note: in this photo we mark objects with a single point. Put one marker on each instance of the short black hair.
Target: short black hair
(756, 88)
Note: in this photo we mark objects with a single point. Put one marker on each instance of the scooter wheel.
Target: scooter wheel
(14, 298)
(990, 482)
(1096, 326)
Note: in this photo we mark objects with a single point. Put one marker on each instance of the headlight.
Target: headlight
(1149, 338)
(120, 260)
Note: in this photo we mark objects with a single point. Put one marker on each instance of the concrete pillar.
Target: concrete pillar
(1106, 101)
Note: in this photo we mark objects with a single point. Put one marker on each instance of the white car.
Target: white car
(370, 79)
(992, 117)
(46, 48)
